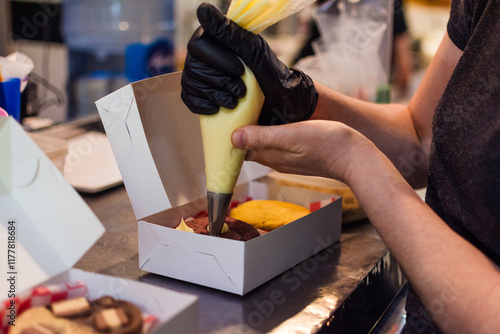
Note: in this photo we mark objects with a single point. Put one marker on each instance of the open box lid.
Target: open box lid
(47, 223)
(157, 144)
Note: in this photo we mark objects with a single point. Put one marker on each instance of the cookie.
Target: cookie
(238, 230)
(77, 316)
(268, 214)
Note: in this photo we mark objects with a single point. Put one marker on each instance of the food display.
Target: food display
(251, 218)
(64, 309)
(268, 214)
(233, 228)
(78, 315)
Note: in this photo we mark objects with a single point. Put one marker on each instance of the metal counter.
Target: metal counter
(343, 289)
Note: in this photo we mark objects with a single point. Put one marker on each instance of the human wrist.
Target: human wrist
(361, 159)
(291, 97)
(369, 171)
(310, 95)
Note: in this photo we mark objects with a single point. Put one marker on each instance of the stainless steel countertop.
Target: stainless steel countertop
(344, 289)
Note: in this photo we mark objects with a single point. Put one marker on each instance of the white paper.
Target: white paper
(16, 65)
(54, 226)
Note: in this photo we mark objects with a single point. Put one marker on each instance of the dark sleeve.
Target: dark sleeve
(460, 23)
(399, 23)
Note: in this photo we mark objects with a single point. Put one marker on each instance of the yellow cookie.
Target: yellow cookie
(267, 214)
(41, 316)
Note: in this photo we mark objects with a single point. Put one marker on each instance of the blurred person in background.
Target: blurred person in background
(401, 60)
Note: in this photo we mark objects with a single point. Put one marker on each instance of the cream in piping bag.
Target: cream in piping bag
(223, 161)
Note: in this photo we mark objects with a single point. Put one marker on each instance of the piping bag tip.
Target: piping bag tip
(218, 205)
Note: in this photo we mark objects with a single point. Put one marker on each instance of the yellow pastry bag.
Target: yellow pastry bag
(222, 160)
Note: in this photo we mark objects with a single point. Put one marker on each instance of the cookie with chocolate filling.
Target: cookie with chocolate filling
(116, 316)
(238, 230)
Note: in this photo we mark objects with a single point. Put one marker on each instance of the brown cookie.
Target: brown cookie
(238, 230)
(72, 320)
(133, 314)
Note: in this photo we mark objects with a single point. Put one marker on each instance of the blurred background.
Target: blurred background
(85, 49)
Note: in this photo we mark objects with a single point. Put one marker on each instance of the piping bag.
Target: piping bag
(222, 160)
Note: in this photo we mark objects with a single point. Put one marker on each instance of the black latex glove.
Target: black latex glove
(212, 72)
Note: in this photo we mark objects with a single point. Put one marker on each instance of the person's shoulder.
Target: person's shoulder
(460, 22)
(465, 15)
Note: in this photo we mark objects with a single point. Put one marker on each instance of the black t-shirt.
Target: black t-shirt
(464, 166)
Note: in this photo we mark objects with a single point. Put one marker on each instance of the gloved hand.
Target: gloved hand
(212, 72)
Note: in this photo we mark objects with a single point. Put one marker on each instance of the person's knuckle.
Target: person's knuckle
(257, 137)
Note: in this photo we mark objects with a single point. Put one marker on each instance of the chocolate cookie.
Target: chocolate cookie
(107, 310)
(238, 230)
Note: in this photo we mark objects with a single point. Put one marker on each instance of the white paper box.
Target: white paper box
(157, 143)
(176, 312)
(54, 228)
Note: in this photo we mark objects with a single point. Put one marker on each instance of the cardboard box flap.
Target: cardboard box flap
(42, 216)
(152, 132)
(123, 126)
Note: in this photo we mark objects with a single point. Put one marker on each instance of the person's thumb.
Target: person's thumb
(219, 27)
(239, 138)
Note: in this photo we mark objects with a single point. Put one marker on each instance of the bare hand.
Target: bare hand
(319, 148)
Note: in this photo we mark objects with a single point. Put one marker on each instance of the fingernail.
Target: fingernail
(239, 139)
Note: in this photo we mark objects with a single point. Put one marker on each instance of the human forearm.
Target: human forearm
(456, 282)
(389, 126)
(403, 133)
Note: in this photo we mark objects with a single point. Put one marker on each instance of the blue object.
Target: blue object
(145, 61)
(97, 33)
(10, 97)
